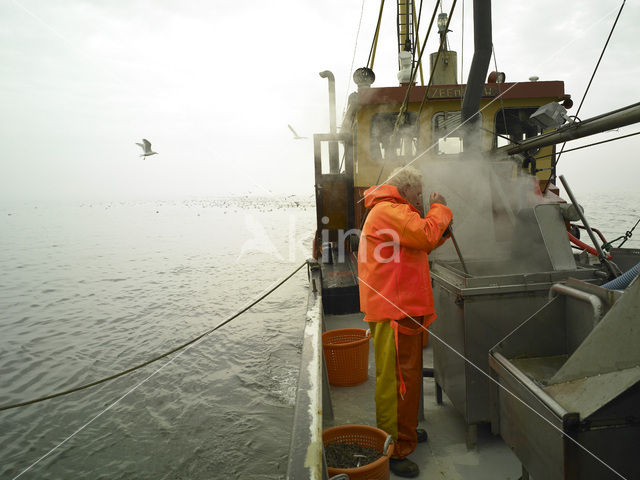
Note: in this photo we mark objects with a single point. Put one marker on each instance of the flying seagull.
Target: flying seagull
(146, 146)
(295, 135)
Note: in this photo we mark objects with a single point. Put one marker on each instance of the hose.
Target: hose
(623, 280)
(588, 248)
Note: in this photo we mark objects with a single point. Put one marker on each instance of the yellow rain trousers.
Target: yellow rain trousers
(398, 355)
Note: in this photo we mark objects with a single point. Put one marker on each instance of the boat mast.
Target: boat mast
(406, 33)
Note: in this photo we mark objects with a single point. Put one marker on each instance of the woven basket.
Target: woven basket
(364, 436)
(346, 353)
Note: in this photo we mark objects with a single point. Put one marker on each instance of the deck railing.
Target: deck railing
(306, 459)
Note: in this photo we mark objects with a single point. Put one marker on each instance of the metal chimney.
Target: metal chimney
(481, 57)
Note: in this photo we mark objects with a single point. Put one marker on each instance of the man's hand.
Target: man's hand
(435, 197)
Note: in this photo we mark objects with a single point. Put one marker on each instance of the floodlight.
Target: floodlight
(551, 115)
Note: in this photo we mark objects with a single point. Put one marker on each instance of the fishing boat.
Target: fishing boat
(512, 386)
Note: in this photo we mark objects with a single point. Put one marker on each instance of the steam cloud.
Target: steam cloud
(490, 202)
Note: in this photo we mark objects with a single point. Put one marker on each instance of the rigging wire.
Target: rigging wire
(353, 59)
(507, 89)
(591, 144)
(555, 163)
(374, 43)
(504, 115)
(446, 28)
(416, 25)
(511, 140)
(405, 102)
(159, 357)
(490, 378)
(627, 235)
(462, 53)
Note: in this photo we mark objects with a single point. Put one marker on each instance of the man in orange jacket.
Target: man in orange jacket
(397, 300)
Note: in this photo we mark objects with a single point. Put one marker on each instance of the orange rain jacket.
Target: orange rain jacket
(393, 267)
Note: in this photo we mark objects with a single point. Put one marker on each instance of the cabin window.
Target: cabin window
(405, 145)
(512, 125)
(446, 134)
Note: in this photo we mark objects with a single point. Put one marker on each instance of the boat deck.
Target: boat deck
(445, 455)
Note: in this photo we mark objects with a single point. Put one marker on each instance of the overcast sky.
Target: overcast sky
(214, 84)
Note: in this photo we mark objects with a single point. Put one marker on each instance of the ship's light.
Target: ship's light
(442, 22)
(551, 115)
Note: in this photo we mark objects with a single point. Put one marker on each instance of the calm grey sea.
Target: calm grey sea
(613, 214)
(90, 289)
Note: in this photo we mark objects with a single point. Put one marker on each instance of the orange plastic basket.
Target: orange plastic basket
(364, 436)
(346, 353)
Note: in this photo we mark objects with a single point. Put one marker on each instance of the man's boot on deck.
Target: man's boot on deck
(403, 467)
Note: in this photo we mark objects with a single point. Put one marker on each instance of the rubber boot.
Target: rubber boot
(403, 467)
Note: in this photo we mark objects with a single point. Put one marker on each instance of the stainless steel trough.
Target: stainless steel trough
(477, 310)
(568, 401)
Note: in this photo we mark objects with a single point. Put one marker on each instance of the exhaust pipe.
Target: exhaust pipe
(333, 146)
(483, 45)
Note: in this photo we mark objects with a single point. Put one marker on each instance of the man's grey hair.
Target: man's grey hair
(402, 177)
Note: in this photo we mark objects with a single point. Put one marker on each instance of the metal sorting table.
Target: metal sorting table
(475, 313)
(569, 397)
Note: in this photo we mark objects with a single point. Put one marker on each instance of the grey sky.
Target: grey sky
(213, 86)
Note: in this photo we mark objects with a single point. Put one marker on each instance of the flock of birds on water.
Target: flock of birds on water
(228, 205)
(248, 201)
(147, 152)
(245, 201)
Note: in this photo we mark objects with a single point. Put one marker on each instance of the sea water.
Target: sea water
(90, 289)
(613, 214)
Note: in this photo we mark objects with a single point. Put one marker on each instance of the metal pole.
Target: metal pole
(601, 123)
(455, 244)
(334, 162)
(601, 255)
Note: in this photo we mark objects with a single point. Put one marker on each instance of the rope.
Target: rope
(490, 102)
(159, 357)
(504, 116)
(628, 234)
(416, 26)
(374, 43)
(497, 383)
(353, 59)
(462, 53)
(502, 136)
(555, 163)
(446, 28)
(405, 102)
